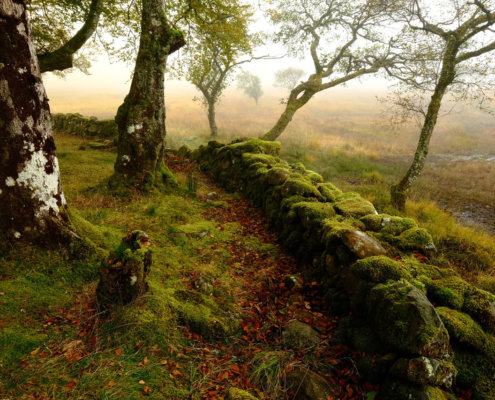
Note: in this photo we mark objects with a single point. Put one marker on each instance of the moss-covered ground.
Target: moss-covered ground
(217, 301)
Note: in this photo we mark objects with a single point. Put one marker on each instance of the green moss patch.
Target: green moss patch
(380, 269)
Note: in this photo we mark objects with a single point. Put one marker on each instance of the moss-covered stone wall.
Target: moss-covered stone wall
(422, 328)
(76, 124)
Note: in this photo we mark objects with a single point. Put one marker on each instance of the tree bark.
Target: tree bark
(400, 191)
(294, 103)
(33, 208)
(63, 57)
(211, 118)
(141, 118)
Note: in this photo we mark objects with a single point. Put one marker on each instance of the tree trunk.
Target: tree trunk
(399, 192)
(141, 118)
(211, 118)
(63, 57)
(294, 103)
(33, 206)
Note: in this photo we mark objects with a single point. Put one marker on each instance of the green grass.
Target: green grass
(38, 289)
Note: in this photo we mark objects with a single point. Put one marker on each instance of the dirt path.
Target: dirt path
(258, 360)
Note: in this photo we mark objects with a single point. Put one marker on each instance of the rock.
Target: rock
(239, 394)
(380, 269)
(123, 275)
(299, 335)
(424, 371)
(184, 151)
(292, 281)
(212, 196)
(277, 176)
(406, 320)
(351, 204)
(201, 284)
(307, 385)
(329, 191)
(362, 245)
(395, 389)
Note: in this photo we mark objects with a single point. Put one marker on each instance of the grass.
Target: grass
(53, 345)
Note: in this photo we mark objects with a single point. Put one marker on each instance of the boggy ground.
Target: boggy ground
(213, 318)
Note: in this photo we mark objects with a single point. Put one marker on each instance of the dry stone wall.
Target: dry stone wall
(88, 127)
(420, 325)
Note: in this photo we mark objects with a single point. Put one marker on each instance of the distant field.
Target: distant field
(344, 134)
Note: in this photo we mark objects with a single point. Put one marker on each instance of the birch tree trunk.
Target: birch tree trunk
(399, 192)
(212, 118)
(32, 204)
(141, 118)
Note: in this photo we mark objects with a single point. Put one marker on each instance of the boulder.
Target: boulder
(406, 320)
(361, 244)
(425, 371)
(299, 335)
(277, 176)
(307, 385)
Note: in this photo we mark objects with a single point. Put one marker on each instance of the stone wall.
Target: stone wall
(88, 127)
(420, 325)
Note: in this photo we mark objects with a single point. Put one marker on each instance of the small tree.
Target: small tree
(288, 78)
(344, 41)
(32, 202)
(250, 85)
(444, 48)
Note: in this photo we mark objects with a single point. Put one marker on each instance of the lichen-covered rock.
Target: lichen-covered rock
(307, 385)
(407, 321)
(351, 204)
(361, 244)
(425, 371)
(299, 335)
(234, 393)
(123, 275)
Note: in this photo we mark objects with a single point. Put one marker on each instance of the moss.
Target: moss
(203, 315)
(239, 394)
(313, 176)
(475, 373)
(388, 224)
(266, 159)
(300, 187)
(329, 191)
(448, 291)
(380, 269)
(435, 393)
(313, 213)
(256, 146)
(481, 306)
(351, 204)
(463, 329)
(411, 239)
(332, 228)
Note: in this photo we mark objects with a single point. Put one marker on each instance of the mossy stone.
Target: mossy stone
(308, 385)
(329, 191)
(463, 329)
(299, 336)
(301, 187)
(256, 146)
(380, 269)
(448, 291)
(312, 214)
(388, 224)
(351, 204)
(407, 321)
(234, 393)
